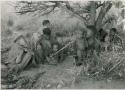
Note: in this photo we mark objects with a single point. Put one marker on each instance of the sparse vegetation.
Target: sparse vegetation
(110, 66)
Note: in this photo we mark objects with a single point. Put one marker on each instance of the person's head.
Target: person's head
(47, 31)
(102, 35)
(55, 46)
(103, 32)
(113, 31)
(46, 23)
(100, 31)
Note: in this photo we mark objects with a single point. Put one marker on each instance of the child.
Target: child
(54, 58)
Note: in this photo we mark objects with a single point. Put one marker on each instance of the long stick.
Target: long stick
(62, 48)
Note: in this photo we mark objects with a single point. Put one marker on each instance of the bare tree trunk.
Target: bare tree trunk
(104, 9)
(92, 12)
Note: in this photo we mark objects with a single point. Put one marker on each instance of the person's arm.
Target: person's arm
(38, 42)
(19, 37)
(23, 45)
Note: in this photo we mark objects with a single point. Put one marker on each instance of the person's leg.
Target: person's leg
(18, 67)
(39, 55)
(25, 61)
(61, 57)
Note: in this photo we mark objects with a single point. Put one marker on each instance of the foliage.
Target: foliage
(95, 69)
(86, 12)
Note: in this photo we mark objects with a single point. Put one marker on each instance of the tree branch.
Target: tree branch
(72, 10)
(105, 8)
(33, 7)
(99, 4)
(92, 12)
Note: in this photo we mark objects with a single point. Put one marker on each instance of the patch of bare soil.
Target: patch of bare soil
(60, 76)
(52, 76)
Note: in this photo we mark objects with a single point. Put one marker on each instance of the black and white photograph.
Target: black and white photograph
(63, 44)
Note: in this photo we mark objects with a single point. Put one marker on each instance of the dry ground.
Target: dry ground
(61, 76)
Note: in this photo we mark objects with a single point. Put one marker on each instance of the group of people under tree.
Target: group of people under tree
(34, 48)
(92, 44)
(38, 47)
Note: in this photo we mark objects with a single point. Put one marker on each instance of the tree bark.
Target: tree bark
(92, 12)
(104, 9)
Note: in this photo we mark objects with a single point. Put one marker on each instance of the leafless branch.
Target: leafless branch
(72, 10)
(104, 9)
(33, 7)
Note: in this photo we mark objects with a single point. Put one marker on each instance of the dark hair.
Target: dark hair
(102, 35)
(45, 22)
(114, 30)
(102, 32)
(47, 31)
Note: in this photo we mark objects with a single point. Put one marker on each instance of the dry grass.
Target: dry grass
(69, 27)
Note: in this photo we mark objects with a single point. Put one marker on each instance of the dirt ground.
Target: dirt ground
(57, 76)
(62, 76)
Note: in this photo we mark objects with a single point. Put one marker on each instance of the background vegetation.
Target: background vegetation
(67, 18)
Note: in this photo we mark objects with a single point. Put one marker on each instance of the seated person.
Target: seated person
(54, 58)
(26, 56)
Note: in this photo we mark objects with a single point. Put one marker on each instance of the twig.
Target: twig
(62, 48)
(116, 65)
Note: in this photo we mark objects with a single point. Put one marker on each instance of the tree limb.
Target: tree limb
(92, 12)
(69, 8)
(99, 4)
(104, 9)
(30, 7)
